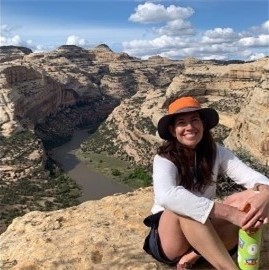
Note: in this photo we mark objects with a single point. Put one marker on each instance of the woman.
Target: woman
(187, 222)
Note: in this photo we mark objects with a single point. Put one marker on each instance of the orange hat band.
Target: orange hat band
(183, 103)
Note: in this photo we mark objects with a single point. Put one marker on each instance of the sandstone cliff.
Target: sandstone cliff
(239, 92)
(251, 131)
(75, 87)
(9, 53)
(95, 235)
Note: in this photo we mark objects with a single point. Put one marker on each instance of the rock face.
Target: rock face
(9, 53)
(95, 235)
(251, 131)
(37, 87)
(130, 130)
(40, 85)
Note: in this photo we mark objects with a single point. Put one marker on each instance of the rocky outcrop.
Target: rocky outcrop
(40, 85)
(251, 131)
(9, 53)
(94, 235)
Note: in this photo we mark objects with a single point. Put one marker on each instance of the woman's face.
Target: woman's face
(188, 129)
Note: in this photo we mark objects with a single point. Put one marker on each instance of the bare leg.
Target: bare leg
(178, 233)
(206, 241)
(227, 232)
(174, 242)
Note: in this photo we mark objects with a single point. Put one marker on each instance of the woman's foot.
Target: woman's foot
(188, 260)
(184, 266)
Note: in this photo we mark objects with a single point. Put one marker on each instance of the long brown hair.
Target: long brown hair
(205, 155)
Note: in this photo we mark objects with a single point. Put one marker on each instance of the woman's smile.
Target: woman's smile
(188, 129)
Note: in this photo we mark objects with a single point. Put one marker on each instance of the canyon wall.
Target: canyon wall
(239, 92)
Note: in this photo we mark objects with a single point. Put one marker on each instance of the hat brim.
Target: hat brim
(209, 116)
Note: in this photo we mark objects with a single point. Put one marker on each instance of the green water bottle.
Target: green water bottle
(249, 245)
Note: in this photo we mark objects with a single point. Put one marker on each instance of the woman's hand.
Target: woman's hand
(253, 219)
(259, 210)
(237, 198)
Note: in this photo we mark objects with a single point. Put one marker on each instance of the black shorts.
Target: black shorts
(152, 243)
(153, 246)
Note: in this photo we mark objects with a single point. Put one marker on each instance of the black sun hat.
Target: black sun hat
(183, 105)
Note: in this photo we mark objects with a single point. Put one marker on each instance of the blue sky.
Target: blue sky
(205, 29)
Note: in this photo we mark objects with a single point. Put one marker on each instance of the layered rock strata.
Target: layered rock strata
(251, 131)
(9, 53)
(131, 132)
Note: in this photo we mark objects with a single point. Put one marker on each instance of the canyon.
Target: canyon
(45, 97)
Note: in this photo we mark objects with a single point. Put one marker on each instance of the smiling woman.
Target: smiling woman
(187, 223)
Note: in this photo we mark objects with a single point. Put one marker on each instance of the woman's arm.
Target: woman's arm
(237, 170)
(227, 212)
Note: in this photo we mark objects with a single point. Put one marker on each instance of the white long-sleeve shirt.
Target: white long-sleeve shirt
(169, 194)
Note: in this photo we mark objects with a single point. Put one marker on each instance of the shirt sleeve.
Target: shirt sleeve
(238, 171)
(174, 197)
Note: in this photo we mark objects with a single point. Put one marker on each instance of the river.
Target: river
(94, 185)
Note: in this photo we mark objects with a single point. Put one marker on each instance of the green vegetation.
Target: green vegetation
(135, 176)
(47, 188)
(220, 132)
(145, 125)
(142, 176)
(32, 183)
(33, 194)
(230, 104)
(115, 172)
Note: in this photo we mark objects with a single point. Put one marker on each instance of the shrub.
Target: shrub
(115, 172)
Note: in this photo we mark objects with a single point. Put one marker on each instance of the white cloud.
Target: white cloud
(260, 41)
(171, 41)
(154, 13)
(160, 43)
(170, 35)
(262, 29)
(176, 27)
(265, 26)
(8, 38)
(5, 28)
(219, 35)
(177, 39)
(76, 40)
(256, 56)
(16, 41)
